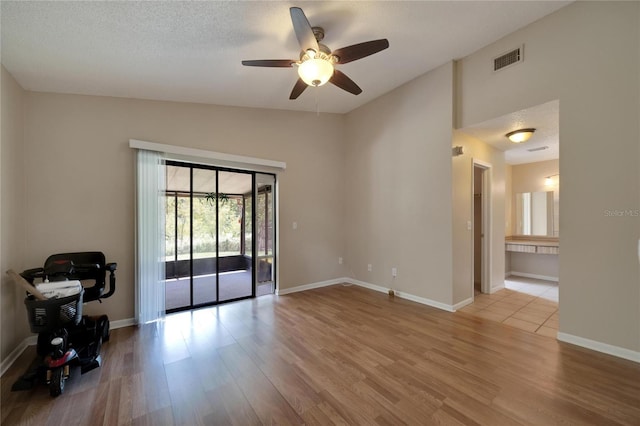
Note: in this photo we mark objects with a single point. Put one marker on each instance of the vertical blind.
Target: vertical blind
(150, 238)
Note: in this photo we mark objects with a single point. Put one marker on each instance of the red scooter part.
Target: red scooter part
(58, 365)
(67, 357)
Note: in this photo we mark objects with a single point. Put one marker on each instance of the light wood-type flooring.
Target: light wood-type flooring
(335, 355)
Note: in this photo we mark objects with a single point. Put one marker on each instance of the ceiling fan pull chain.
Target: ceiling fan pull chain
(317, 105)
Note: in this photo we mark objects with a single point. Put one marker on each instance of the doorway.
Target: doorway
(481, 214)
(212, 215)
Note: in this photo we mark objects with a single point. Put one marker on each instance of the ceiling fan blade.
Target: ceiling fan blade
(298, 89)
(278, 63)
(360, 50)
(345, 83)
(303, 30)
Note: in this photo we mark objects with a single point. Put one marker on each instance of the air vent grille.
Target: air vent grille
(541, 148)
(512, 57)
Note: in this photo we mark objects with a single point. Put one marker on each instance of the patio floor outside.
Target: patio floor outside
(233, 285)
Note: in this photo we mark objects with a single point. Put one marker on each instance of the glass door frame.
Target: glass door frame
(270, 200)
(254, 242)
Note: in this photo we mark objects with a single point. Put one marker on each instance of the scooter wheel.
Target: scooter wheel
(56, 386)
(104, 326)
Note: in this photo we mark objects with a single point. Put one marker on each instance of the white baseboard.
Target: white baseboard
(496, 288)
(127, 322)
(400, 294)
(33, 340)
(536, 276)
(600, 347)
(425, 301)
(403, 295)
(13, 356)
(462, 304)
(367, 285)
(311, 286)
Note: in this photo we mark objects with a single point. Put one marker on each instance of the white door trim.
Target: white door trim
(487, 243)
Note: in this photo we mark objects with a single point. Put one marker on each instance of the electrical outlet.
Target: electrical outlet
(339, 261)
(369, 267)
(295, 225)
(394, 272)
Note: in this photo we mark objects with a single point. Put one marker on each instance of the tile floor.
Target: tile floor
(524, 303)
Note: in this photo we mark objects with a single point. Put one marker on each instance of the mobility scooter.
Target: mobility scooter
(65, 336)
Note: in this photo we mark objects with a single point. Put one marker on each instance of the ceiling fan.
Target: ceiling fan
(316, 65)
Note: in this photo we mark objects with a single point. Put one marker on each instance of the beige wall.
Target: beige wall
(13, 319)
(587, 56)
(543, 266)
(531, 178)
(475, 149)
(509, 225)
(398, 187)
(80, 178)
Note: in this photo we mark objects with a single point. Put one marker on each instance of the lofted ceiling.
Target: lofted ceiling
(192, 51)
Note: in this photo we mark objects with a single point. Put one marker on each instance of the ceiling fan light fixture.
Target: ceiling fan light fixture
(315, 71)
(316, 63)
(519, 136)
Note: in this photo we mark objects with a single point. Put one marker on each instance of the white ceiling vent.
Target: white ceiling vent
(542, 148)
(505, 60)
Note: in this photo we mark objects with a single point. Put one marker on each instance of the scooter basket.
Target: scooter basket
(52, 314)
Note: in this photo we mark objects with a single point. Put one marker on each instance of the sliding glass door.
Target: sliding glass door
(204, 237)
(178, 238)
(235, 257)
(212, 216)
(265, 233)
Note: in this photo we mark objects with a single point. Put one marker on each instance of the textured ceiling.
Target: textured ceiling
(192, 51)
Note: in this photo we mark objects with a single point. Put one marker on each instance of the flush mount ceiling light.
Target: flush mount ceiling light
(548, 181)
(519, 136)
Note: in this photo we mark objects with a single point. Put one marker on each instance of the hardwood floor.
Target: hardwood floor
(335, 355)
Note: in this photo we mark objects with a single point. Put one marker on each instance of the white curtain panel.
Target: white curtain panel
(150, 237)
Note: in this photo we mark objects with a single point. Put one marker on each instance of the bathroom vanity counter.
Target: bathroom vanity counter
(533, 245)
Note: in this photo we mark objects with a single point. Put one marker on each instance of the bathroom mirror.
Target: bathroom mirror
(536, 214)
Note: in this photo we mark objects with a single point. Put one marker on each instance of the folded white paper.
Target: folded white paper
(57, 289)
